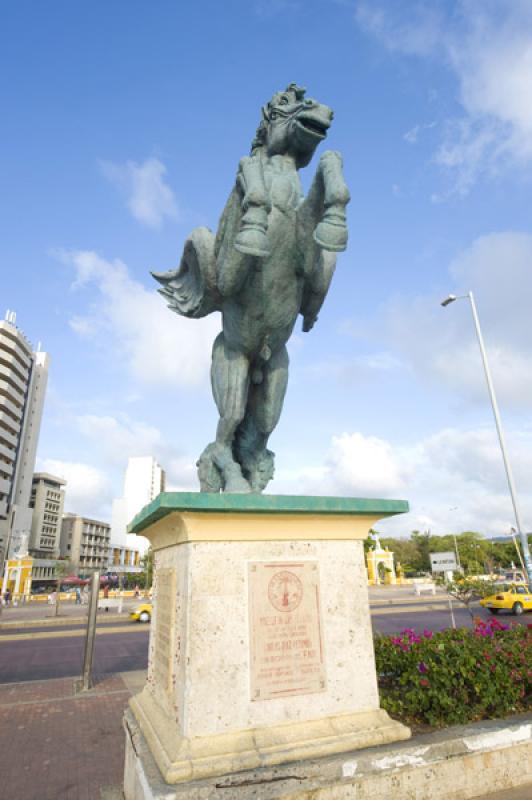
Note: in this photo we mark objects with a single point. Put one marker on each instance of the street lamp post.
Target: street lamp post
(509, 475)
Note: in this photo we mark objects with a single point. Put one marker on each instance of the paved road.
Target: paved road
(59, 653)
(433, 616)
(53, 652)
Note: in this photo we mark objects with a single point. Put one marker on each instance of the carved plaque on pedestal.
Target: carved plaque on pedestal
(285, 629)
(164, 627)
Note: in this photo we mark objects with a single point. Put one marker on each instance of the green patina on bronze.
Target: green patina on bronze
(168, 502)
(273, 258)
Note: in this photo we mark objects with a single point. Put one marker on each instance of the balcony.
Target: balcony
(14, 365)
(6, 437)
(12, 377)
(15, 395)
(13, 344)
(6, 467)
(8, 422)
(10, 407)
(8, 453)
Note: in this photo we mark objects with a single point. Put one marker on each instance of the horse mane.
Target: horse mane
(260, 136)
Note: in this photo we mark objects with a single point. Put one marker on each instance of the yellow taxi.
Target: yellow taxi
(142, 613)
(516, 598)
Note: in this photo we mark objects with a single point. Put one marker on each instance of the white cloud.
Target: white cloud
(412, 136)
(88, 491)
(440, 344)
(487, 44)
(363, 465)
(458, 482)
(120, 439)
(454, 480)
(414, 29)
(132, 323)
(357, 368)
(149, 199)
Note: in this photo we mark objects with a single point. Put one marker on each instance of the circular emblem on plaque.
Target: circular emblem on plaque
(285, 591)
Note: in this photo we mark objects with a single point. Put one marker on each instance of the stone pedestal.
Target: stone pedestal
(261, 646)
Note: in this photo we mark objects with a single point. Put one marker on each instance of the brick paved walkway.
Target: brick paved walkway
(59, 744)
(56, 744)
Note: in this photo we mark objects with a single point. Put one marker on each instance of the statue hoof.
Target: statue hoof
(252, 242)
(331, 235)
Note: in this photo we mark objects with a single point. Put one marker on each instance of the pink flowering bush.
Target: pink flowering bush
(455, 676)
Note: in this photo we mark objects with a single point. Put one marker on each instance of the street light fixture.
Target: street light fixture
(509, 475)
(448, 300)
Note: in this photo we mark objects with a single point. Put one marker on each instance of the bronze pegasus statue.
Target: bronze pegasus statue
(273, 257)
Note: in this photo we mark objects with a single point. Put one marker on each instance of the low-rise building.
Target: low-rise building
(47, 500)
(85, 542)
(43, 570)
(123, 560)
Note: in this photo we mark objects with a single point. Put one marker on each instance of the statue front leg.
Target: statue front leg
(251, 238)
(331, 231)
(322, 232)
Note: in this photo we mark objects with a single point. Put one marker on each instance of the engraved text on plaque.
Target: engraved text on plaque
(285, 629)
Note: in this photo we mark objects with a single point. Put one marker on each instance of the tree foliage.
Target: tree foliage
(477, 554)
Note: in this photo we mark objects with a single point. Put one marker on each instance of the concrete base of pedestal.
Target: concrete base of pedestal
(453, 764)
(191, 759)
(261, 649)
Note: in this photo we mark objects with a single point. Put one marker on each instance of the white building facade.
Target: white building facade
(144, 480)
(23, 379)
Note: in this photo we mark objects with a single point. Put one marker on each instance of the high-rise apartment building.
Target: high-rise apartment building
(85, 542)
(47, 500)
(23, 378)
(144, 480)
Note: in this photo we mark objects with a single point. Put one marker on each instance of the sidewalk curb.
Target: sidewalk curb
(52, 622)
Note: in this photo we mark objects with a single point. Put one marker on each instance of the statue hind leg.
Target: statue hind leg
(265, 402)
(217, 468)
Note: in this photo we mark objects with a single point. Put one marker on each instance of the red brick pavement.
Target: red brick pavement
(57, 744)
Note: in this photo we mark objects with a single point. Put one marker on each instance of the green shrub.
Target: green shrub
(455, 676)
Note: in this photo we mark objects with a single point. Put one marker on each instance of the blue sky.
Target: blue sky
(123, 124)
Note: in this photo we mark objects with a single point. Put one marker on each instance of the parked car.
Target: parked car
(141, 613)
(516, 598)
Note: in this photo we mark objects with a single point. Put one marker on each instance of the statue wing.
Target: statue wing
(191, 289)
(316, 287)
